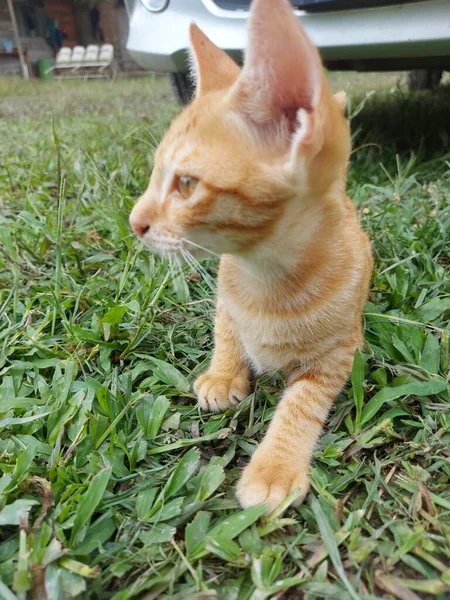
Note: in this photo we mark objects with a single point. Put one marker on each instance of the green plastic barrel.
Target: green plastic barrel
(45, 68)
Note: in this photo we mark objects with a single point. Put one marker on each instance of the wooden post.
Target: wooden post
(23, 64)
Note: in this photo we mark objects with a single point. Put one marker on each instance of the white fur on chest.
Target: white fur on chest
(272, 342)
(276, 339)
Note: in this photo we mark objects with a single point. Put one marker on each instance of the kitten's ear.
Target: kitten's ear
(282, 71)
(214, 69)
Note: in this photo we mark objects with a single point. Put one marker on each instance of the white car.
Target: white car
(363, 35)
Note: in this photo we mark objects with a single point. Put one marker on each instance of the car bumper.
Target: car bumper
(422, 29)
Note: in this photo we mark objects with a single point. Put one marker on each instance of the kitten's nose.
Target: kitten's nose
(139, 224)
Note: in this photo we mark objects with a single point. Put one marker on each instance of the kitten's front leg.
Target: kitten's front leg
(227, 381)
(281, 462)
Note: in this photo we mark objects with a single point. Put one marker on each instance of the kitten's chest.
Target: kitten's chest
(278, 330)
(272, 341)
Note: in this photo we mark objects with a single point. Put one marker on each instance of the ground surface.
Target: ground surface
(113, 484)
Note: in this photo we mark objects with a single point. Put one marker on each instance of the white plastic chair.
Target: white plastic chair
(91, 55)
(77, 56)
(63, 58)
(92, 61)
(106, 55)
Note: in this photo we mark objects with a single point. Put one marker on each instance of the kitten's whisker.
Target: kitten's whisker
(198, 267)
(200, 247)
(180, 267)
(170, 261)
(187, 259)
(195, 265)
(170, 265)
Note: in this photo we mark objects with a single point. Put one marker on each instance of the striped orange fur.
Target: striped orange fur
(265, 150)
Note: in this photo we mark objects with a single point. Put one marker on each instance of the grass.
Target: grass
(113, 484)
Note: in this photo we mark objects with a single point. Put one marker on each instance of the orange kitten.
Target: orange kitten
(255, 169)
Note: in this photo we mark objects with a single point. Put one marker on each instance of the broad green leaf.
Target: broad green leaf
(380, 376)
(98, 533)
(431, 353)
(170, 375)
(45, 363)
(71, 408)
(286, 583)
(30, 441)
(416, 343)
(53, 582)
(7, 404)
(144, 502)
(357, 384)
(223, 547)
(402, 348)
(158, 534)
(184, 470)
(328, 538)
(23, 464)
(72, 584)
(97, 426)
(250, 540)
(9, 243)
(167, 511)
(53, 551)
(416, 388)
(236, 523)
(266, 567)
(327, 591)
(195, 534)
(22, 420)
(16, 512)
(212, 477)
(114, 315)
(70, 372)
(90, 500)
(143, 410)
(105, 401)
(433, 309)
(157, 414)
(181, 288)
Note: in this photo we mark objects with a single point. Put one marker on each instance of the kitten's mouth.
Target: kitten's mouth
(166, 245)
(174, 247)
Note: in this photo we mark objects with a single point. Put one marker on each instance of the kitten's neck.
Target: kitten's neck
(299, 238)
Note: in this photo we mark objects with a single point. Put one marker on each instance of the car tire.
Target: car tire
(424, 79)
(183, 87)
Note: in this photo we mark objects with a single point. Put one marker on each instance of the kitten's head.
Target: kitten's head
(254, 147)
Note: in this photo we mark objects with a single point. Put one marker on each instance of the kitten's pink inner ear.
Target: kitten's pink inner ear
(214, 68)
(283, 70)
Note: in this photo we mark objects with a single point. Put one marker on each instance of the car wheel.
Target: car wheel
(424, 79)
(183, 87)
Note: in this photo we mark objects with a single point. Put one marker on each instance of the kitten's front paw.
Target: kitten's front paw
(217, 392)
(267, 479)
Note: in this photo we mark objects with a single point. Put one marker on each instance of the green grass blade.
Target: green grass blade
(333, 551)
(89, 502)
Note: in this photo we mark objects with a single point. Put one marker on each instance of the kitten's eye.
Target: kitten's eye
(186, 186)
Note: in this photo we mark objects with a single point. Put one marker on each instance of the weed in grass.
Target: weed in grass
(113, 484)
